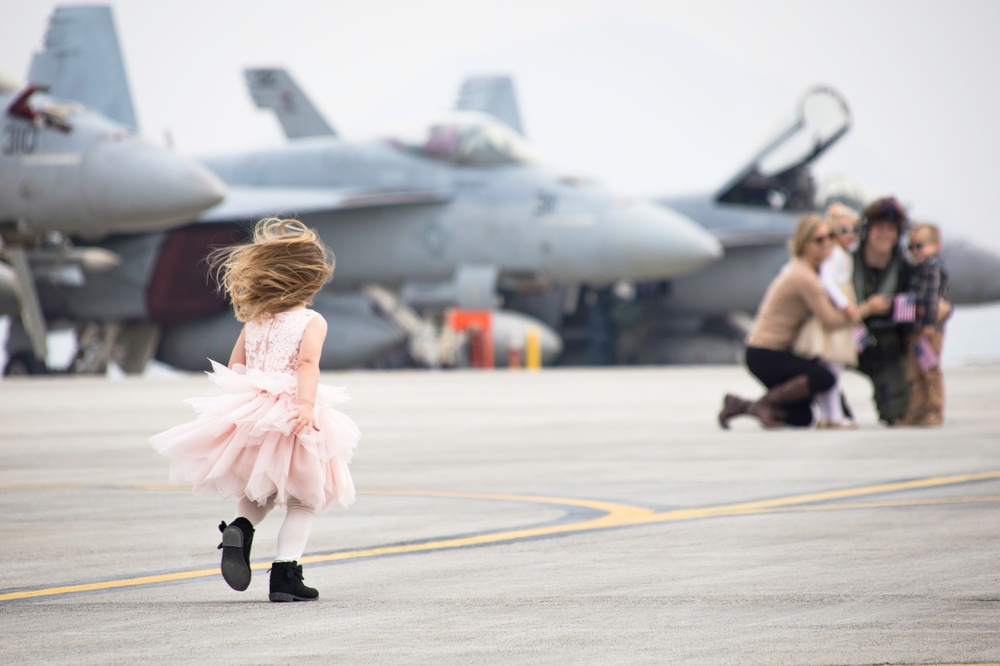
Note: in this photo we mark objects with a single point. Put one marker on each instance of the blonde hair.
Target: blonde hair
(804, 232)
(284, 266)
(837, 213)
(927, 226)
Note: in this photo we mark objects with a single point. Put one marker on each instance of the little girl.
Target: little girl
(270, 436)
(836, 274)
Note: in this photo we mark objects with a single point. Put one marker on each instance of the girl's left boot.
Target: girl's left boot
(287, 583)
(237, 537)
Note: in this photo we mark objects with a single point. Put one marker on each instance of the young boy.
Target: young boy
(923, 367)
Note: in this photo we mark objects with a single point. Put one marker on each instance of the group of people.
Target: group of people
(851, 296)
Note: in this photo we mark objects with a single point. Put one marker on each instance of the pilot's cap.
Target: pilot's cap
(887, 209)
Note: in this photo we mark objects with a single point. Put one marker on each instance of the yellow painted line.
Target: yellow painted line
(760, 506)
(611, 509)
(615, 515)
(110, 584)
(886, 505)
(619, 515)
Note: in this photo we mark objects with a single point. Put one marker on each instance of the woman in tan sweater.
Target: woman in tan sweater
(793, 296)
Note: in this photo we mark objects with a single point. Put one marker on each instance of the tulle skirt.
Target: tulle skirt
(241, 443)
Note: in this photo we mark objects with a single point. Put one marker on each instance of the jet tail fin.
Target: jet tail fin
(778, 176)
(493, 95)
(274, 88)
(82, 61)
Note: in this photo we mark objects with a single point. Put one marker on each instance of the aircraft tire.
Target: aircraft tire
(23, 364)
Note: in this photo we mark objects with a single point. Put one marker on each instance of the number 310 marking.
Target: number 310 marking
(18, 139)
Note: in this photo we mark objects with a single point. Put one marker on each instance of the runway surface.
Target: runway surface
(565, 516)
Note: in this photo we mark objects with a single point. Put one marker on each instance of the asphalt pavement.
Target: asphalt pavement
(510, 517)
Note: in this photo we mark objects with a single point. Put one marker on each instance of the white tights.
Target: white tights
(294, 531)
(830, 408)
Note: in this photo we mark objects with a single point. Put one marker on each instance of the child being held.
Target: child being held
(923, 368)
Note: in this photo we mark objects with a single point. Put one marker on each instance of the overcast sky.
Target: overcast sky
(651, 97)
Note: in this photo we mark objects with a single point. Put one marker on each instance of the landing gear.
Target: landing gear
(24, 364)
(129, 344)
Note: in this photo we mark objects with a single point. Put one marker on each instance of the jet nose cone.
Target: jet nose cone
(974, 273)
(654, 243)
(131, 185)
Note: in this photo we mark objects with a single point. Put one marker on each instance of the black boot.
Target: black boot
(732, 406)
(237, 537)
(287, 585)
(768, 408)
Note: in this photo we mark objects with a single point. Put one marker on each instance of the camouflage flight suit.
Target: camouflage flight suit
(885, 361)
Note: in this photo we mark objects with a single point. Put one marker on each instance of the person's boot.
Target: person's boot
(848, 414)
(237, 537)
(768, 408)
(917, 406)
(732, 406)
(287, 585)
(934, 383)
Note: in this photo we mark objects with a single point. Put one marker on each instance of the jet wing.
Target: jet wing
(254, 203)
(736, 226)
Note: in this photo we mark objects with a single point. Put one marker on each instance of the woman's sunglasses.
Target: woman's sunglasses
(847, 230)
(819, 240)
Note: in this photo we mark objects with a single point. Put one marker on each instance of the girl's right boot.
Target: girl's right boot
(287, 585)
(237, 537)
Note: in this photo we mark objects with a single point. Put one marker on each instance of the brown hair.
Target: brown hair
(284, 266)
(887, 209)
(803, 232)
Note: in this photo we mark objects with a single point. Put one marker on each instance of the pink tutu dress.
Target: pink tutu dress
(241, 442)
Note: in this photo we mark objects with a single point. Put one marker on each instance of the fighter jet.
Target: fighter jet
(70, 175)
(703, 317)
(453, 210)
(447, 213)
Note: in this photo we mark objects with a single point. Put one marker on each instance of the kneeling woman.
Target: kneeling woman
(794, 296)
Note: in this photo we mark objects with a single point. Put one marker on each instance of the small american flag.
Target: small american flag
(904, 307)
(926, 357)
(861, 337)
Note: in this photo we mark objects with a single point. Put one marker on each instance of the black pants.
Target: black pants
(774, 368)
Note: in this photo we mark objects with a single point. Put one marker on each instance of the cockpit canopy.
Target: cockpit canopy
(468, 138)
(820, 119)
(778, 176)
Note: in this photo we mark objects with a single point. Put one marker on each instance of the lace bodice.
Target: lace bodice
(272, 343)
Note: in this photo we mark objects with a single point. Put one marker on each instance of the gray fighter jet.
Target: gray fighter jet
(452, 210)
(68, 176)
(703, 317)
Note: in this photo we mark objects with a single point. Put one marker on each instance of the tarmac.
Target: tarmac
(585, 516)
